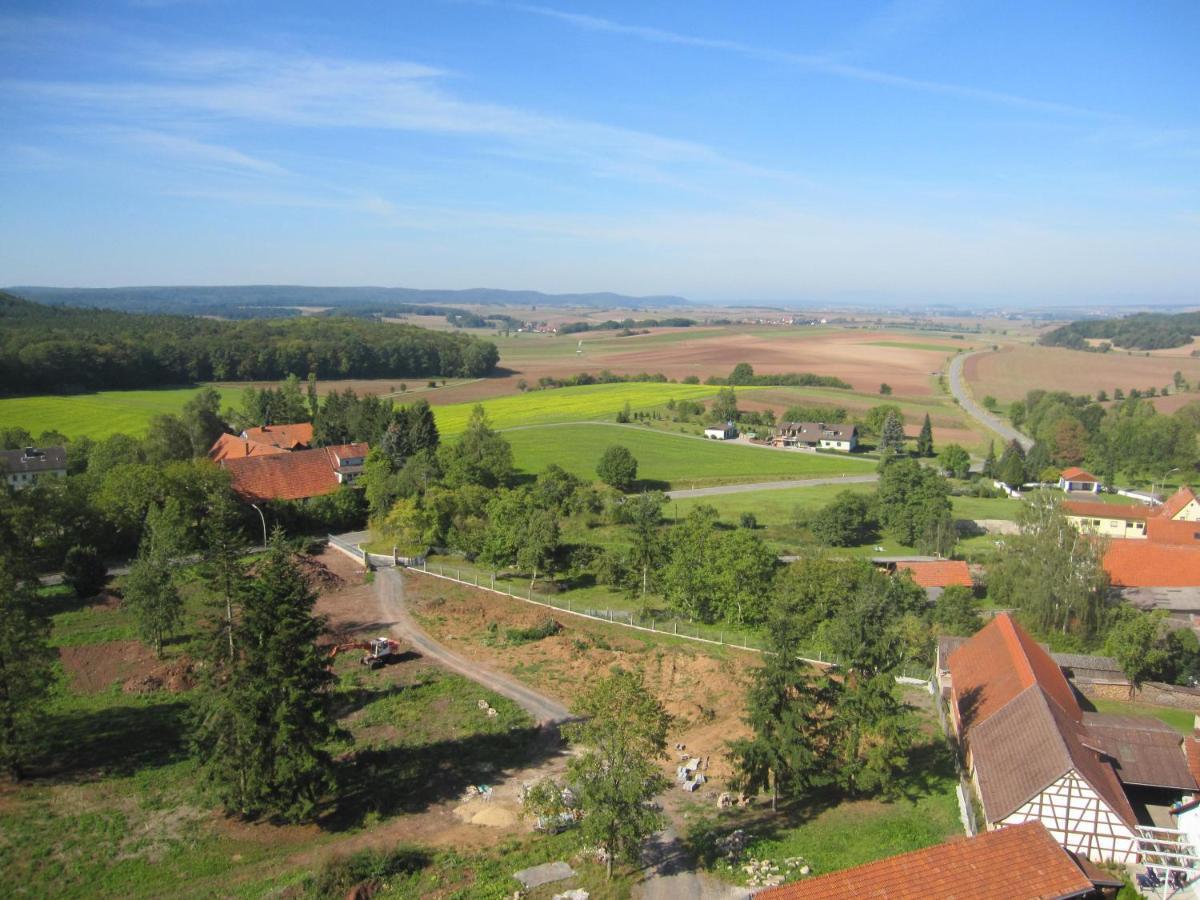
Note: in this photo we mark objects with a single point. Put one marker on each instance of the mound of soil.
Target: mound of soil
(175, 677)
(318, 574)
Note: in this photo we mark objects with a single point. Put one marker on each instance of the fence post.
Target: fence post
(676, 624)
(610, 618)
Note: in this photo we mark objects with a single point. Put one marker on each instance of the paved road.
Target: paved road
(389, 588)
(959, 390)
(770, 486)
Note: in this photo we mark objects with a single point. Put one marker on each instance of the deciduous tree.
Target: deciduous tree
(617, 468)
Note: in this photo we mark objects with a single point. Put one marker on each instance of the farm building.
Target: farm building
(24, 468)
(814, 435)
(265, 441)
(1110, 520)
(935, 575)
(1076, 479)
(1023, 861)
(726, 432)
(297, 475)
(1034, 755)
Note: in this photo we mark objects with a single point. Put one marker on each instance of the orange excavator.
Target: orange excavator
(378, 651)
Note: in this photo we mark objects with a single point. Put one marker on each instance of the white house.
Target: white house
(1076, 479)
(816, 435)
(726, 432)
(24, 468)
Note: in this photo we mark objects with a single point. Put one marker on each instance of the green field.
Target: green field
(916, 345)
(571, 404)
(92, 415)
(667, 459)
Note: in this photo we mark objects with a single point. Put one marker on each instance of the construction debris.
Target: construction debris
(176, 676)
(574, 894)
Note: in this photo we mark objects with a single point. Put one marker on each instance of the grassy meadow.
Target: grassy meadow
(570, 404)
(97, 415)
(670, 460)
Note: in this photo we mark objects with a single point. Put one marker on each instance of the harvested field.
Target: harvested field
(703, 690)
(1012, 371)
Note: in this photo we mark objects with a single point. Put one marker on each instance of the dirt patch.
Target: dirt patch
(175, 676)
(702, 691)
(94, 667)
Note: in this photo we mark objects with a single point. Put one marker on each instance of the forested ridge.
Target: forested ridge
(46, 348)
(1144, 331)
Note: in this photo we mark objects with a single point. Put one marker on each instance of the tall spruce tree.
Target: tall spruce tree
(265, 719)
(891, 438)
(25, 668)
(221, 564)
(925, 438)
(989, 461)
(150, 589)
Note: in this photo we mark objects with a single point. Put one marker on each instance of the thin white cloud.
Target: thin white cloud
(200, 153)
(825, 64)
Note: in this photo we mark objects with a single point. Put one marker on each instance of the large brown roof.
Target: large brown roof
(1021, 862)
(1135, 563)
(291, 476)
(230, 446)
(1146, 751)
(997, 664)
(1022, 723)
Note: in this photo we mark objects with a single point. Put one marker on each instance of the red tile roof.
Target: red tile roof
(941, 573)
(291, 476)
(1021, 862)
(289, 437)
(1191, 750)
(1176, 502)
(1074, 473)
(1094, 509)
(1165, 530)
(1134, 562)
(230, 446)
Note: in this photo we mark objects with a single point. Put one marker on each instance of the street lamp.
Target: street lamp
(1162, 482)
(264, 521)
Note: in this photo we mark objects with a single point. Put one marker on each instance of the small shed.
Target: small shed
(726, 432)
(1076, 479)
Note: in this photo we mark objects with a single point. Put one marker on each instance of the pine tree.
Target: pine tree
(150, 590)
(25, 668)
(925, 439)
(221, 566)
(891, 439)
(265, 719)
(989, 462)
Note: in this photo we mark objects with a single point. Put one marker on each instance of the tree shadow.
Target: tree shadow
(65, 600)
(643, 485)
(350, 700)
(968, 707)
(115, 741)
(409, 779)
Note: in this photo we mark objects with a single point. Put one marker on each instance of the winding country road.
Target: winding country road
(389, 589)
(958, 388)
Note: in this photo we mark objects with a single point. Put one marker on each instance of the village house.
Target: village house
(1110, 520)
(265, 441)
(934, 575)
(25, 468)
(297, 475)
(815, 435)
(726, 432)
(1076, 479)
(1033, 754)
(1022, 862)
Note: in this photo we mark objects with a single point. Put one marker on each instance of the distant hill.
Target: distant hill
(1143, 331)
(269, 300)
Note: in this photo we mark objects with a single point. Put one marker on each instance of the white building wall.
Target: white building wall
(1080, 820)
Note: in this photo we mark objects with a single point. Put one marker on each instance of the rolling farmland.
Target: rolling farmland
(92, 415)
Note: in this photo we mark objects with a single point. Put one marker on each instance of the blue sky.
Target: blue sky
(967, 152)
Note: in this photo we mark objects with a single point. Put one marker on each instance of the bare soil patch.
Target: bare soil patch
(1014, 370)
(704, 692)
(93, 667)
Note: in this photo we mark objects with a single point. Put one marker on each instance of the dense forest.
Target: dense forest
(45, 348)
(1144, 331)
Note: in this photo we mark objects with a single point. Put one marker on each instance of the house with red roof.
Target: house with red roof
(265, 441)
(1033, 754)
(1076, 479)
(297, 475)
(934, 575)
(1022, 862)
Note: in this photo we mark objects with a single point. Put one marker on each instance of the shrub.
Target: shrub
(542, 629)
(84, 571)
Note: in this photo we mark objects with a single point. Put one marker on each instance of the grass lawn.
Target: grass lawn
(570, 404)
(986, 507)
(832, 835)
(95, 415)
(1180, 719)
(670, 460)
